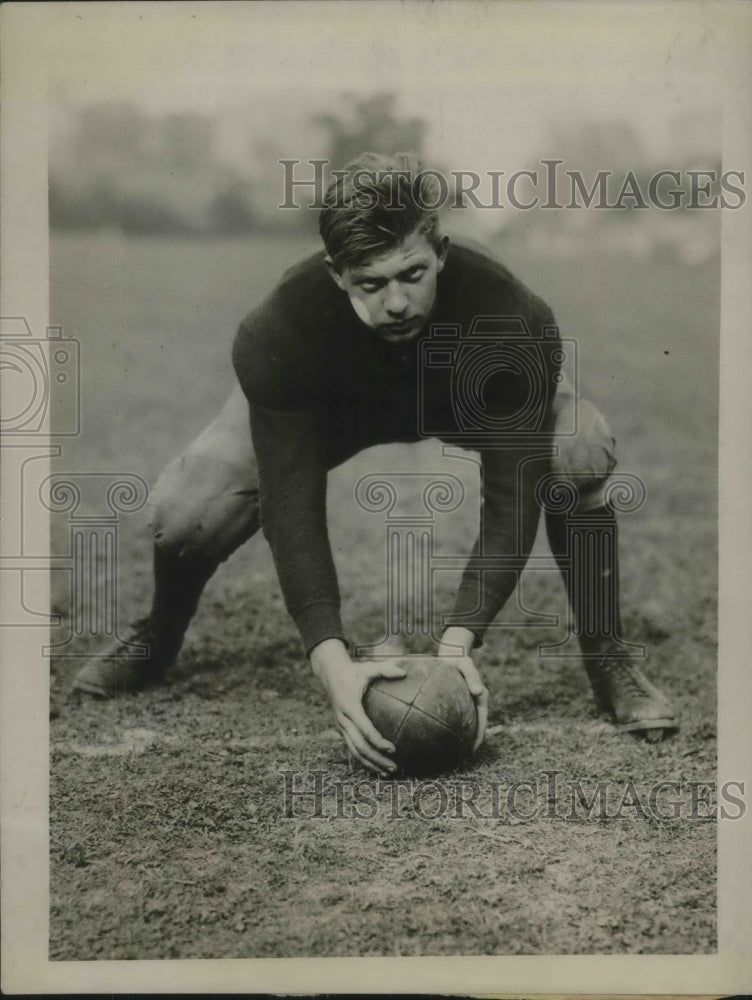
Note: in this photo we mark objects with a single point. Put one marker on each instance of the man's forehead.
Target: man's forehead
(409, 252)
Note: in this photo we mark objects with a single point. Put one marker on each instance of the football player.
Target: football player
(331, 363)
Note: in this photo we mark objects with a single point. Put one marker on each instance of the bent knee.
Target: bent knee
(590, 451)
(198, 511)
(587, 468)
(587, 458)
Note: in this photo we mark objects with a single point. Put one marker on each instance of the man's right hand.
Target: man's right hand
(345, 683)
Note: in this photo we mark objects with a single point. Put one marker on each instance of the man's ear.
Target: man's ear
(334, 273)
(441, 251)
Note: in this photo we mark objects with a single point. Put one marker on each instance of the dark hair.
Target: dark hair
(374, 203)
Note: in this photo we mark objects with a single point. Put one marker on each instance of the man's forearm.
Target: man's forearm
(509, 523)
(292, 480)
(481, 595)
(299, 541)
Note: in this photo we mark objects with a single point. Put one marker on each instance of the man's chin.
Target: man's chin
(400, 336)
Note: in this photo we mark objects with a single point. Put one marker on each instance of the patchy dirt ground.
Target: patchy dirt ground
(171, 835)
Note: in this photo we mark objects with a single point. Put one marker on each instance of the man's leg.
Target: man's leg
(585, 544)
(204, 506)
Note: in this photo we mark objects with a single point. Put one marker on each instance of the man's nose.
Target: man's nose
(396, 301)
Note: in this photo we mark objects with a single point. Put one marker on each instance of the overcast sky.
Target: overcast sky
(488, 77)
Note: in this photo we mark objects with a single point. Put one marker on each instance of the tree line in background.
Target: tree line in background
(115, 166)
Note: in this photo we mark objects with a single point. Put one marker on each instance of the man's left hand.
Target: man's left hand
(456, 645)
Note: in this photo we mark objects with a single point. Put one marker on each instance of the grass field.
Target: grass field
(168, 832)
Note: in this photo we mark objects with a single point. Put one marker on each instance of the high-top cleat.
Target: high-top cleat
(637, 706)
(123, 669)
(585, 544)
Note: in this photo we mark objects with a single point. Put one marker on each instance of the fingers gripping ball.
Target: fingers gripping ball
(429, 715)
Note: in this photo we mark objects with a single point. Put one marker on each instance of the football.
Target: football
(429, 715)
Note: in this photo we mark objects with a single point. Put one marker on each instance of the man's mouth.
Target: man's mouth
(398, 331)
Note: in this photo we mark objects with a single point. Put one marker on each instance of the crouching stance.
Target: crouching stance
(334, 361)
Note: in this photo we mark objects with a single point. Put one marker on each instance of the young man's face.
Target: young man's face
(394, 294)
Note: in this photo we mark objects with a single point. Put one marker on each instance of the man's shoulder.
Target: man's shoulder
(278, 342)
(480, 258)
(488, 286)
(307, 272)
(301, 291)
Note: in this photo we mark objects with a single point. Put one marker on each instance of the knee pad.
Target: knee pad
(198, 511)
(586, 458)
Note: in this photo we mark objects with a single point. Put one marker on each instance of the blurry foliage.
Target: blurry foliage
(231, 210)
(369, 124)
(115, 166)
(637, 227)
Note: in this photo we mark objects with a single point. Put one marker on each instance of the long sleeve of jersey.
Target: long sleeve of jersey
(509, 522)
(290, 448)
(293, 477)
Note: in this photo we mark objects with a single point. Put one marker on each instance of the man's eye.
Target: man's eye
(368, 286)
(415, 273)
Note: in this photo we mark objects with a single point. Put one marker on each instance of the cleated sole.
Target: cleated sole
(630, 727)
(651, 731)
(88, 687)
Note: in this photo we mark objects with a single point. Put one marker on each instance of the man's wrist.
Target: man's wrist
(458, 635)
(327, 652)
